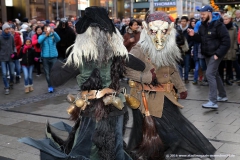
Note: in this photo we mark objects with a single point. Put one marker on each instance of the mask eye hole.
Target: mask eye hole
(164, 31)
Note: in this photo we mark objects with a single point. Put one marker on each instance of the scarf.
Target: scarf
(229, 25)
(5, 35)
(26, 47)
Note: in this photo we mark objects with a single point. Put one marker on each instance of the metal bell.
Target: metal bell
(70, 98)
(117, 102)
(80, 103)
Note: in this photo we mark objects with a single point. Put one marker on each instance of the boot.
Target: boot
(17, 79)
(26, 89)
(228, 82)
(30, 88)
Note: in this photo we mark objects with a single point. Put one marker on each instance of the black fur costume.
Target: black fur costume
(98, 130)
(67, 36)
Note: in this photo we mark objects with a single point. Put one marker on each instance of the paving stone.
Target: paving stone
(8, 121)
(27, 156)
(217, 145)
(209, 134)
(201, 118)
(225, 128)
(9, 153)
(222, 120)
(236, 122)
(232, 137)
(6, 139)
(231, 149)
(203, 125)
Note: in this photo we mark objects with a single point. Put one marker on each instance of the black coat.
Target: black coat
(214, 38)
(28, 57)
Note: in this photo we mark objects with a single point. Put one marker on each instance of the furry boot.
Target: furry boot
(30, 88)
(26, 89)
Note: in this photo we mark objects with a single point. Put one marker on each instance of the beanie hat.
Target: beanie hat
(28, 38)
(24, 26)
(5, 26)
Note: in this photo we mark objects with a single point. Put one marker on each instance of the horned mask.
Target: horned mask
(158, 27)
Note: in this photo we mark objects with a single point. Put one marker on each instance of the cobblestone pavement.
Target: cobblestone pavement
(24, 115)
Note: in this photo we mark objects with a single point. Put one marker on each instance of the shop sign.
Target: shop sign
(83, 4)
(163, 4)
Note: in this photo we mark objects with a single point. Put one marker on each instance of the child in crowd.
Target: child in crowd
(27, 54)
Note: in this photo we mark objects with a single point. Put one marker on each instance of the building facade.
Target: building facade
(54, 9)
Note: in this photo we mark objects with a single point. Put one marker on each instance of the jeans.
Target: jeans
(4, 66)
(47, 66)
(17, 67)
(27, 71)
(196, 71)
(214, 79)
(228, 65)
(186, 65)
(202, 64)
(180, 71)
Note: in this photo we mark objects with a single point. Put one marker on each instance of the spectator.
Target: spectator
(39, 23)
(67, 36)
(27, 55)
(49, 54)
(215, 42)
(7, 48)
(32, 32)
(187, 53)
(132, 36)
(24, 31)
(18, 44)
(126, 24)
(37, 49)
(231, 54)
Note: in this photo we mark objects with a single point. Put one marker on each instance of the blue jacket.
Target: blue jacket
(48, 45)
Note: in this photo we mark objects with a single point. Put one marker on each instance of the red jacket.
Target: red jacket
(239, 36)
(17, 41)
(35, 42)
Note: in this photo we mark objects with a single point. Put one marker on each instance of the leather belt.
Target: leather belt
(168, 87)
(96, 94)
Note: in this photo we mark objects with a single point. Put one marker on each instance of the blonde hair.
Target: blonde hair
(226, 15)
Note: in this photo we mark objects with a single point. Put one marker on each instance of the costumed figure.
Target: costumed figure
(98, 110)
(159, 129)
(67, 36)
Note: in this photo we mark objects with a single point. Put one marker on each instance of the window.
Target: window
(141, 0)
(37, 9)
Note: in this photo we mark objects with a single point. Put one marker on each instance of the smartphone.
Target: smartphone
(48, 29)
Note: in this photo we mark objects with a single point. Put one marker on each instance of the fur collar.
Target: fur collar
(130, 31)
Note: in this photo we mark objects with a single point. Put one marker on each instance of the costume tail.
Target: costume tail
(66, 146)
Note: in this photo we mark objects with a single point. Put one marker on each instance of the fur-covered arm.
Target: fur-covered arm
(61, 73)
(144, 76)
(177, 81)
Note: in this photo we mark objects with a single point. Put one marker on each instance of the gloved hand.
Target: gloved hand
(12, 55)
(36, 59)
(153, 73)
(183, 95)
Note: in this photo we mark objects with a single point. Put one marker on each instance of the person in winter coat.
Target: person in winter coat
(7, 48)
(18, 44)
(215, 42)
(227, 61)
(48, 41)
(132, 36)
(67, 36)
(27, 54)
(37, 49)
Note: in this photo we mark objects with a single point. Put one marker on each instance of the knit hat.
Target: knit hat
(28, 38)
(25, 20)
(5, 26)
(24, 26)
(158, 15)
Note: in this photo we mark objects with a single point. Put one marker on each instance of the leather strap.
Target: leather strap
(96, 94)
(168, 87)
